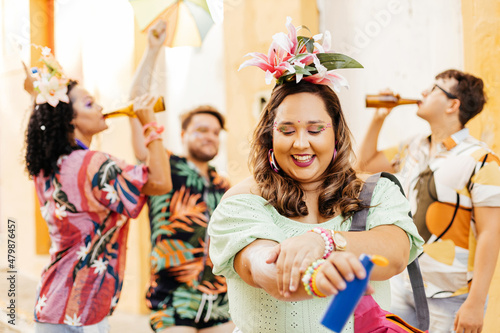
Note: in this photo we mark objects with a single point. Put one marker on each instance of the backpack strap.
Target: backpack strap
(417, 286)
(359, 218)
(359, 224)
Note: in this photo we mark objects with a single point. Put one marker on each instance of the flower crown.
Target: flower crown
(293, 57)
(50, 82)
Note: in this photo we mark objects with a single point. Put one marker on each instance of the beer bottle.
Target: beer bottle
(387, 101)
(129, 110)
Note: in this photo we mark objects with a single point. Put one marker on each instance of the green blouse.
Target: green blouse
(243, 218)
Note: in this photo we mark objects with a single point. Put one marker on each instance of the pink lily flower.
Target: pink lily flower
(287, 42)
(325, 47)
(286, 58)
(336, 81)
(274, 64)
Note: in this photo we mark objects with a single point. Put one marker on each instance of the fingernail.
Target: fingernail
(342, 285)
(350, 277)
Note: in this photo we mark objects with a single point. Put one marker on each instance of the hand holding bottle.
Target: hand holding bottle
(143, 108)
(385, 101)
(380, 103)
(339, 268)
(344, 303)
(157, 34)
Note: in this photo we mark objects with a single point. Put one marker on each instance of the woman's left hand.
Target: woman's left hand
(292, 257)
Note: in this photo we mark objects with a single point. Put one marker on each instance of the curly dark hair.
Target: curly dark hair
(470, 92)
(49, 135)
(340, 186)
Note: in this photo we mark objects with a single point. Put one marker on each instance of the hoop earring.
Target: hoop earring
(272, 161)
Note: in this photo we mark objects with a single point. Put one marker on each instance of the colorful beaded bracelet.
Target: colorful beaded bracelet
(327, 238)
(307, 279)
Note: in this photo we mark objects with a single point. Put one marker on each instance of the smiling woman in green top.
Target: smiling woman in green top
(303, 181)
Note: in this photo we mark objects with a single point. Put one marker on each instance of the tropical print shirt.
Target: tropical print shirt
(86, 203)
(443, 189)
(179, 220)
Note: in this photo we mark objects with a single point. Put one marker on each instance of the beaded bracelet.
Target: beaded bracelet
(327, 238)
(313, 284)
(158, 128)
(151, 137)
(309, 279)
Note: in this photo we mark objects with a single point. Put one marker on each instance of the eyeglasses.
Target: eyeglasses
(448, 94)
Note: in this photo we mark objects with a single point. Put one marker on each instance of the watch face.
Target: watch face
(340, 241)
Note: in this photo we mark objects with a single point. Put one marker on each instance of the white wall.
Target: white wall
(193, 77)
(95, 41)
(402, 44)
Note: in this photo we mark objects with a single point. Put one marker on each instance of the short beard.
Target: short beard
(199, 156)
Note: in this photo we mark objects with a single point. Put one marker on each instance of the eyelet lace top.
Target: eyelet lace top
(243, 218)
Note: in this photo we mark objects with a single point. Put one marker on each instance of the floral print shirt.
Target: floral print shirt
(179, 220)
(86, 203)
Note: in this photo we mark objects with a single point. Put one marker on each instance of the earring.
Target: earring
(272, 161)
(335, 151)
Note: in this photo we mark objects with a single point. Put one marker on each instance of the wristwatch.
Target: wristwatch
(339, 241)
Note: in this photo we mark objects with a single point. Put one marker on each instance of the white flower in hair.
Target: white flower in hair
(52, 91)
(50, 84)
(46, 51)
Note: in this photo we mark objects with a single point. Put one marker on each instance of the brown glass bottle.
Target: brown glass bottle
(129, 110)
(388, 101)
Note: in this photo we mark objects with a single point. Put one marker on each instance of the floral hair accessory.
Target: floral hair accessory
(291, 57)
(50, 82)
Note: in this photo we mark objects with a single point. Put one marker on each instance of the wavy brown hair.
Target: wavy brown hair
(340, 186)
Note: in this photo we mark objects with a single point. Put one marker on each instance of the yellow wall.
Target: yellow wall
(481, 29)
(41, 33)
(249, 27)
(481, 49)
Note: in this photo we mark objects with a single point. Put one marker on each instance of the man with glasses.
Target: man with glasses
(452, 181)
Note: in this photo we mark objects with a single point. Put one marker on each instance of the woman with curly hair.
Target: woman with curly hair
(86, 198)
(296, 208)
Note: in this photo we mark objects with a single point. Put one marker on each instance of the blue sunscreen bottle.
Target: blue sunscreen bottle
(344, 303)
